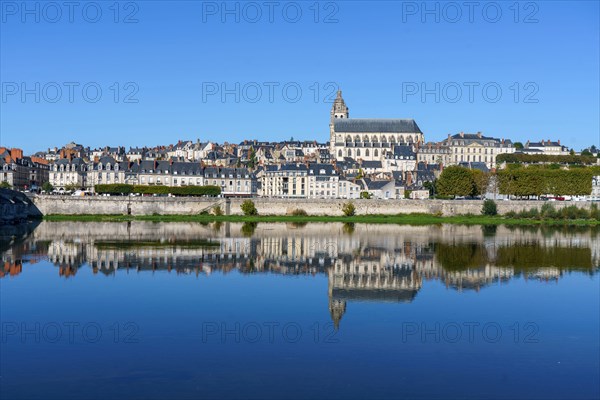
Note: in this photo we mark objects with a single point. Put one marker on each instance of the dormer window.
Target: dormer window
(99, 167)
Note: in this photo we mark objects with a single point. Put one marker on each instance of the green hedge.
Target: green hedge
(117, 189)
(544, 158)
(538, 181)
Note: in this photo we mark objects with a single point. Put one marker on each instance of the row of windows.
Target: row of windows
(358, 153)
(382, 139)
(474, 150)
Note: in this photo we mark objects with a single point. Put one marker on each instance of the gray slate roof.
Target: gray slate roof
(356, 125)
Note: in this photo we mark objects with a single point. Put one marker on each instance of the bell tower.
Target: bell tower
(338, 111)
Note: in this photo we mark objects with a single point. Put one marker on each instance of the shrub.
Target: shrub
(365, 195)
(489, 207)
(299, 212)
(594, 213)
(248, 208)
(217, 210)
(548, 211)
(349, 209)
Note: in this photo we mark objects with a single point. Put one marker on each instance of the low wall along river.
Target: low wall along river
(268, 206)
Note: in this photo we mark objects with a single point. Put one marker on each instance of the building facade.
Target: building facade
(367, 139)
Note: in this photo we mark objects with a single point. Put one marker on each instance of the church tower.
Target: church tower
(338, 110)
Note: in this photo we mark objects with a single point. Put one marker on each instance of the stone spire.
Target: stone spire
(338, 111)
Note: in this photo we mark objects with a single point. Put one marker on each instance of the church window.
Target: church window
(340, 153)
(358, 153)
(376, 153)
(367, 152)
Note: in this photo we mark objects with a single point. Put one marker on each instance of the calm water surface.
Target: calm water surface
(184, 310)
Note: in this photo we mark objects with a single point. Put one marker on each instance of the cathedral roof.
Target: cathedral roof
(356, 125)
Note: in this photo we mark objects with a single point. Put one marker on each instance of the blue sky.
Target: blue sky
(162, 67)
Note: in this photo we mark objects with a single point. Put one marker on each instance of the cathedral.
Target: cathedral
(367, 139)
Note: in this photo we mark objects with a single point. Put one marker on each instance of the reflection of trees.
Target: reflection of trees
(525, 256)
(520, 256)
(248, 228)
(489, 230)
(348, 228)
(461, 256)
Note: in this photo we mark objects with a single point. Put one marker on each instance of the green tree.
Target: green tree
(252, 158)
(5, 185)
(365, 195)
(431, 187)
(455, 181)
(47, 187)
(489, 207)
(481, 181)
(349, 209)
(249, 208)
(518, 145)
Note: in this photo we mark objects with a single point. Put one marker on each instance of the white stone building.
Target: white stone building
(367, 139)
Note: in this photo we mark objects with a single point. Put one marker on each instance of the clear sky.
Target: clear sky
(229, 71)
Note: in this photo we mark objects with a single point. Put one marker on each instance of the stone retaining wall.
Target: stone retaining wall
(191, 206)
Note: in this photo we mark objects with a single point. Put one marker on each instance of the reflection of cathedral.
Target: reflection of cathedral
(386, 264)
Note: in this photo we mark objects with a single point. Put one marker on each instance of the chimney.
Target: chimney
(16, 153)
(462, 134)
(558, 142)
(479, 135)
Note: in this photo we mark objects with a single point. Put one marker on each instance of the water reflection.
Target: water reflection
(362, 262)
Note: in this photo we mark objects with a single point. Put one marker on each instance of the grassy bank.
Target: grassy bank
(406, 219)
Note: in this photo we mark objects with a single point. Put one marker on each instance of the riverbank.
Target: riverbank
(401, 219)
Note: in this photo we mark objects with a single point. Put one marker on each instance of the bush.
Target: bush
(248, 208)
(489, 207)
(349, 209)
(299, 212)
(548, 211)
(120, 188)
(217, 210)
(594, 213)
(365, 195)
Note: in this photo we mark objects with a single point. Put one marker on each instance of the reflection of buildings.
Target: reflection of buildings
(374, 263)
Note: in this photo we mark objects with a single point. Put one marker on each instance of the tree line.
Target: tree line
(125, 189)
(518, 158)
(521, 182)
